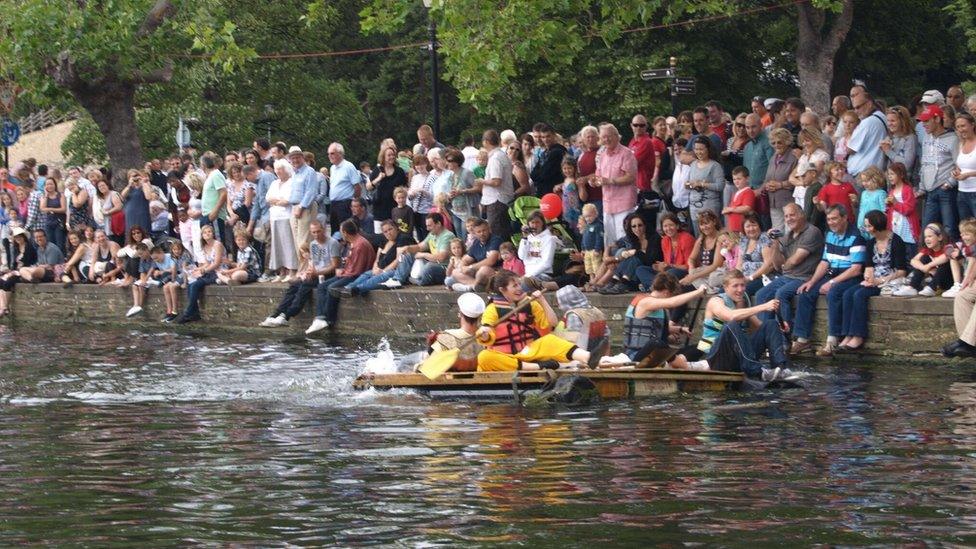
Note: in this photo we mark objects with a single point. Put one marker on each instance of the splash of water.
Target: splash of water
(383, 362)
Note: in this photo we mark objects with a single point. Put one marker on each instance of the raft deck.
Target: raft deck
(611, 383)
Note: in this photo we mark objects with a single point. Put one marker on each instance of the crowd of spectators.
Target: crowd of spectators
(867, 200)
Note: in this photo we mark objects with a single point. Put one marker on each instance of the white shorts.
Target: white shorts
(613, 227)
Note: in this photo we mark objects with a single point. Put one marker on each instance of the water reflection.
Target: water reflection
(128, 437)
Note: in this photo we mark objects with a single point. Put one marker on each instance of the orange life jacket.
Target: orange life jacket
(513, 334)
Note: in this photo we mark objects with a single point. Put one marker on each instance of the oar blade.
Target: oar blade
(658, 358)
(438, 362)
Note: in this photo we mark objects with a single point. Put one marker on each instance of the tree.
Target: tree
(820, 34)
(102, 53)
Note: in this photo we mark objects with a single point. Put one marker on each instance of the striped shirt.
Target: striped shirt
(843, 250)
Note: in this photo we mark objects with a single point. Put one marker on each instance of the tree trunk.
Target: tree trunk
(112, 107)
(816, 47)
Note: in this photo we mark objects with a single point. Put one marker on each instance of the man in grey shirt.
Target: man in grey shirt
(48, 255)
(799, 253)
(938, 160)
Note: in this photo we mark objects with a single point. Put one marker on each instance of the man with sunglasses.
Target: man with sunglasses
(643, 148)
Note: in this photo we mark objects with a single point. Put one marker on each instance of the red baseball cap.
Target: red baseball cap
(930, 112)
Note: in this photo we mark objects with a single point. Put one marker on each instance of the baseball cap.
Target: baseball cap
(930, 112)
(770, 102)
(933, 97)
(471, 304)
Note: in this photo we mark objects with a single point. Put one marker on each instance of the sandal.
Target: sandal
(826, 351)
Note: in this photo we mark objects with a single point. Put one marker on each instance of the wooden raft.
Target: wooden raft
(615, 383)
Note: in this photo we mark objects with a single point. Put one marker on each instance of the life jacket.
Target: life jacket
(712, 327)
(594, 326)
(513, 334)
(467, 360)
(638, 332)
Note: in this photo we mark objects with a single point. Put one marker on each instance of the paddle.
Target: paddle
(441, 361)
(694, 317)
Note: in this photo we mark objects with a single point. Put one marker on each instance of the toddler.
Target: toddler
(591, 243)
(964, 249)
(510, 259)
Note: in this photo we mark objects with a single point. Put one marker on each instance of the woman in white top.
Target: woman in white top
(284, 252)
(965, 172)
(808, 176)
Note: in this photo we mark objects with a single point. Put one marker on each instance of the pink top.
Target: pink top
(612, 164)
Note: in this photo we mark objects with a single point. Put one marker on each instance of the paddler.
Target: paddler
(523, 341)
(725, 344)
(647, 325)
(470, 309)
(581, 321)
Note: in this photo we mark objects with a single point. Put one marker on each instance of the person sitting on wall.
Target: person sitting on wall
(523, 341)
(470, 309)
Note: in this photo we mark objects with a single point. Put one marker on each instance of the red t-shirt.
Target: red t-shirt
(744, 197)
(720, 131)
(838, 194)
(586, 165)
(643, 148)
(678, 255)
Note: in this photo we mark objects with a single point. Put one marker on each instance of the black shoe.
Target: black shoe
(964, 350)
(548, 365)
(950, 348)
(598, 349)
(616, 288)
(184, 319)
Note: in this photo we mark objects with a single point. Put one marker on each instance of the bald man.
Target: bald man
(643, 147)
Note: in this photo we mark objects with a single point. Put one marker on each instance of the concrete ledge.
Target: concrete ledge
(898, 326)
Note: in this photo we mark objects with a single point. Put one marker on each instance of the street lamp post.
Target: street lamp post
(673, 61)
(434, 88)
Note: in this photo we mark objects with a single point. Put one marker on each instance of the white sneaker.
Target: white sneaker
(927, 292)
(700, 365)
(268, 322)
(391, 284)
(275, 280)
(905, 291)
(133, 311)
(264, 278)
(770, 375)
(317, 325)
(458, 287)
(953, 291)
(280, 321)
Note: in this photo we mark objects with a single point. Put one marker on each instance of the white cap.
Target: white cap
(471, 304)
(933, 97)
(295, 149)
(768, 103)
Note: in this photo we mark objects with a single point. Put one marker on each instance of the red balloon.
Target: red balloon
(551, 206)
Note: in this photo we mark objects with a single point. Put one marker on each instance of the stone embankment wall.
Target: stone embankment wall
(898, 326)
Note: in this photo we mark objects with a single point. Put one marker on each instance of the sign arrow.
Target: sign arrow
(682, 90)
(684, 81)
(654, 74)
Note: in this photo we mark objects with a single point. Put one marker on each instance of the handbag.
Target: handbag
(762, 203)
(117, 223)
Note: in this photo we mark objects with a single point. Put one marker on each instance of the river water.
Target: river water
(131, 438)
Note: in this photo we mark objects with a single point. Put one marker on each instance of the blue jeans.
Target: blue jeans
(967, 204)
(855, 310)
(432, 275)
(57, 235)
(782, 288)
(806, 307)
(295, 298)
(459, 229)
(735, 350)
(368, 282)
(940, 207)
(326, 306)
(194, 290)
(753, 287)
(646, 276)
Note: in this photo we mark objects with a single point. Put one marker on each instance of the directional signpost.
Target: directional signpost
(679, 85)
(9, 134)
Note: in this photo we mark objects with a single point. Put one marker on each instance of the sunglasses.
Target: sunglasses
(639, 125)
(636, 225)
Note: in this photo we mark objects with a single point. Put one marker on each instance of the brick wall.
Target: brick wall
(898, 326)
